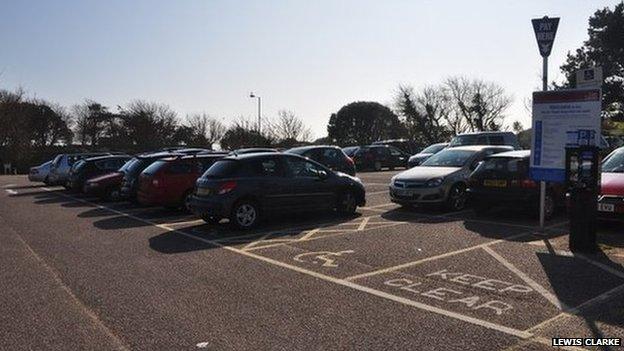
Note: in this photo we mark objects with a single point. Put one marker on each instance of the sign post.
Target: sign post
(545, 30)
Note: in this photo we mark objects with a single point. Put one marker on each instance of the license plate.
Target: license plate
(403, 192)
(606, 207)
(203, 191)
(495, 183)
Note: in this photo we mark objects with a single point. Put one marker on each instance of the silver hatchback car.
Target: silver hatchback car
(442, 178)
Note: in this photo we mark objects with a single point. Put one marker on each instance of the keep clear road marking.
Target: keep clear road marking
(530, 282)
(479, 322)
(432, 258)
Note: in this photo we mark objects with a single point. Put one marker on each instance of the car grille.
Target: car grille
(408, 184)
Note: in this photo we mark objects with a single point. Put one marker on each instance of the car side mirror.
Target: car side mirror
(322, 175)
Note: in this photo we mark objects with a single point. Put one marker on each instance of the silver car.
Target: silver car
(442, 178)
(40, 173)
(62, 163)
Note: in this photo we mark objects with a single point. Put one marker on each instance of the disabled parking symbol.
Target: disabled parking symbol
(322, 258)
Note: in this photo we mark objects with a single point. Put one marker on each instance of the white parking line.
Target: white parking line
(525, 278)
(338, 281)
(8, 185)
(377, 192)
(11, 192)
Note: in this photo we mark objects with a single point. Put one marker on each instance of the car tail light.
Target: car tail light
(226, 187)
(350, 160)
(528, 183)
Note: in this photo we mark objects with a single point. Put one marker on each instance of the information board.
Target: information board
(560, 118)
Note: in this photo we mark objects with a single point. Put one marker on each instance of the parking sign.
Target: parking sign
(561, 118)
(545, 29)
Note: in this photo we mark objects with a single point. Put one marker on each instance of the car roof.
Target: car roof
(105, 157)
(484, 132)
(158, 155)
(513, 154)
(193, 157)
(310, 147)
(481, 147)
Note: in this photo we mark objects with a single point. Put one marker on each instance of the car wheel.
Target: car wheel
(46, 181)
(245, 215)
(347, 204)
(457, 198)
(210, 219)
(112, 194)
(377, 166)
(186, 205)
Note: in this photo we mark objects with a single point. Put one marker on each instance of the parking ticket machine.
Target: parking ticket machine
(583, 185)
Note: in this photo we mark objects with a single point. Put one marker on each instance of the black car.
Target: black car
(502, 180)
(246, 188)
(130, 181)
(376, 157)
(88, 168)
(331, 157)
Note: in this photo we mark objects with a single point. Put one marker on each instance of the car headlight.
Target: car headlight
(435, 182)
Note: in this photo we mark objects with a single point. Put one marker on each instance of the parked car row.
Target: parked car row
(244, 186)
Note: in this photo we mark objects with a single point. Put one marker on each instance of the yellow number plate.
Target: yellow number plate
(495, 183)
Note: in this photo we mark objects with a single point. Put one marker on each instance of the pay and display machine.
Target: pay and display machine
(583, 186)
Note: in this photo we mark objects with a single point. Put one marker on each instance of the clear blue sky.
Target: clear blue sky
(310, 57)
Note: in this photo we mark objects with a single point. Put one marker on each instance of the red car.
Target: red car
(107, 186)
(611, 199)
(170, 181)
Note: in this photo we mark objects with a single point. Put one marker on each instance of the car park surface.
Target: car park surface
(87, 274)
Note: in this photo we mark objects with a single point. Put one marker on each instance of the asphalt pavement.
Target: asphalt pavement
(79, 273)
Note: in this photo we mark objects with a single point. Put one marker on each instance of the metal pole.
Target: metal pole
(259, 115)
(542, 183)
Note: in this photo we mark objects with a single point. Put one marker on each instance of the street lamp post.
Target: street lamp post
(252, 95)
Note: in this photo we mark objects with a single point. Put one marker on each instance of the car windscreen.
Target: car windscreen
(614, 163)
(432, 149)
(78, 166)
(57, 160)
(449, 158)
(138, 166)
(222, 169)
(127, 165)
(464, 140)
(504, 165)
(155, 167)
(351, 150)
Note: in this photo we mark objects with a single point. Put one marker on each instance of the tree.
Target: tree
(237, 137)
(288, 129)
(424, 114)
(94, 122)
(517, 127)
(604, 49)
(205, 130)
(149, 125)
(363, 122)
(476, 105)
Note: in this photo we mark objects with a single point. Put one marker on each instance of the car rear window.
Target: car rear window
(432, 149)
(138, 166)
(222, 169)
(351, 150)
(155, 167)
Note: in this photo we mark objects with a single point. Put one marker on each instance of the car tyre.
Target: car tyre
(46, 181)
(186, 201)
(377, 166)
(457, 197)
(112, 194)
(347, 203)
(245, 214)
